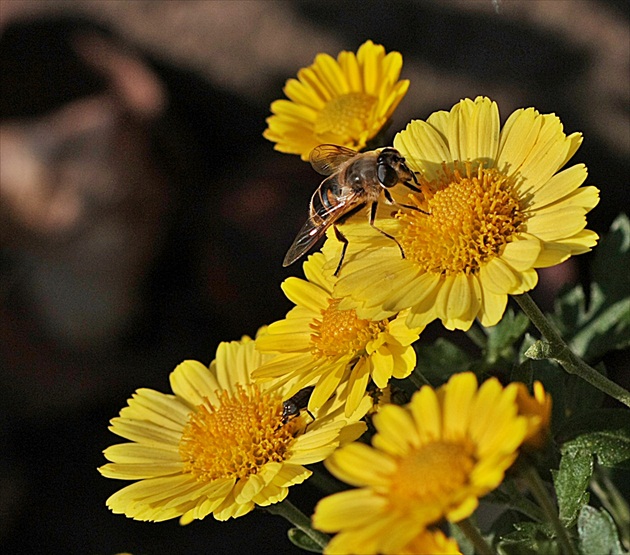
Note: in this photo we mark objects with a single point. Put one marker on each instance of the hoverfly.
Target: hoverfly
(355, 180)
(294, 405)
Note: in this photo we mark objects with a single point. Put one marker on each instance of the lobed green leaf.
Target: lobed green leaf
(571, 481)
(598, 533)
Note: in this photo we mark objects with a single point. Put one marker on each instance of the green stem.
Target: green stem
(540, 493)
(324, 482)
(290, 512)
(418, 380)
(472, 533)
(559, 351)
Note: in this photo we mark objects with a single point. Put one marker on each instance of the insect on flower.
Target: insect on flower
(355, 180)
(294, 405)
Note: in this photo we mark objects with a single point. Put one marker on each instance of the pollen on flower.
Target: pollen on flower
(235, 438)
(431, 473)
(345, 116)
(470, 216)
(341, 332)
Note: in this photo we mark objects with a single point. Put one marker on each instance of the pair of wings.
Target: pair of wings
(326, 160)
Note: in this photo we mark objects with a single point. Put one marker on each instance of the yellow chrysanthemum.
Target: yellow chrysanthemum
(219, 445)
(494, 207)
(537, 409)
(345, 101)
(430, 460)
(318, 343)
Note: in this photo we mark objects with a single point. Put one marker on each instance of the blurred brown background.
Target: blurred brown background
(143, 218)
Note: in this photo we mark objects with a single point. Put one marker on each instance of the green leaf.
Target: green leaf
(529, 539)
(604, 433)
(528, 341)
(598, 533)
(604, 325)
(571, 481)
(437, 362)
(606, 331)
(613, 500)
(613, 253)
(539, 350)
(303, 541)
(502, 337)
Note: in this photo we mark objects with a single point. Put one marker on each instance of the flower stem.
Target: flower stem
(418, 380)
(290, 512)
(559, 351)
(472, 533)
(540, 493)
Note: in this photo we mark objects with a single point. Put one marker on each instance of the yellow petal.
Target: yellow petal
(193, 382)
(427, 414)
(557, 224)
(522, 254)
(492, 307)
(473, 132)
(557, 187)
(460, 394)
(397, 430)
(498, 277)
(354, 508)
(303, 293)
(359, 465)
(424, 148)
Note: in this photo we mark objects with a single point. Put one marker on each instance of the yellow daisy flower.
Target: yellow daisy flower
(318, 343)
(537, 409)
(219, 445)
(494, 208)
(345, 101)
(432, 459)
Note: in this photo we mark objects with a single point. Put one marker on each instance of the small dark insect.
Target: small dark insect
(292, 406)
(355, 180)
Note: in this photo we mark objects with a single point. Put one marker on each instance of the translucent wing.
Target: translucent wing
(312, 230)
(325, 159)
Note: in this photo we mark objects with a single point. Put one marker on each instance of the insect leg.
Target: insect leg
(373, 208)
(390, 200)
(416, 186)
(343, 239)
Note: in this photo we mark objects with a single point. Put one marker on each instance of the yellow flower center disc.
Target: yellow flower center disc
(471, 216)
(237, 437)
(346, 116)
(340, 332)
(431, 473)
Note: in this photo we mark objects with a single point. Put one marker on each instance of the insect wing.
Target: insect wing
(325, 159)
(312, 230)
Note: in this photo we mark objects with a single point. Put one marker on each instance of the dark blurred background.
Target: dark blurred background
(143, 218)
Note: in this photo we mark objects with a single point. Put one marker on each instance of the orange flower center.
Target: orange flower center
(470, 216)
(431, 473)
(345, 118)
(341, 332)
(235, 438)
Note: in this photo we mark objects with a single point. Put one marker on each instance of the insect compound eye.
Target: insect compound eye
(387, 175)
(289, 409)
